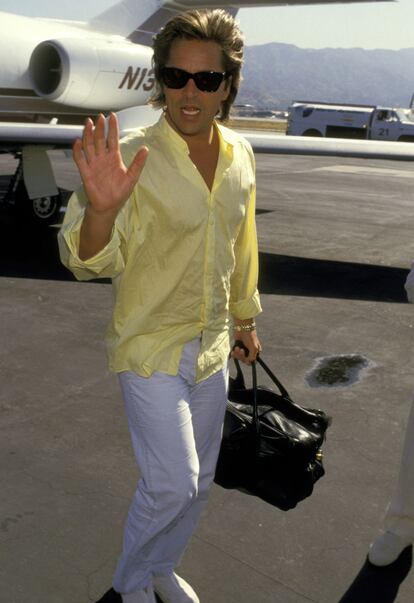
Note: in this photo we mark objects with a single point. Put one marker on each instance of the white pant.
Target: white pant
(400, 513)
(175, 426)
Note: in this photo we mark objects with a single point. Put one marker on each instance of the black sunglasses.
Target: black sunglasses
(206, 81)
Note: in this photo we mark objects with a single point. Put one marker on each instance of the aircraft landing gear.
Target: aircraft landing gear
(40, 211)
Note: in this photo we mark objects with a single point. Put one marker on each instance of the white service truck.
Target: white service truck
(350, 121)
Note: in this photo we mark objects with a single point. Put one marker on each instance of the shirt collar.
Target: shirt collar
(172, 136)
(227, 137)
(227, 140)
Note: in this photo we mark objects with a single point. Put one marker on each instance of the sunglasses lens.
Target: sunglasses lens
(208, 81)
(174, 78)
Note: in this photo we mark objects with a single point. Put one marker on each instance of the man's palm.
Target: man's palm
(107, 181)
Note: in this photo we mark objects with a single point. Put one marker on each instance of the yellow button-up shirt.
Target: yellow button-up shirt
(181, 257)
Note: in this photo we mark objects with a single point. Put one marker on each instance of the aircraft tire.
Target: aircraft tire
(39, 211)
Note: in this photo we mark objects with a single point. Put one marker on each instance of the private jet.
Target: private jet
(55, 73)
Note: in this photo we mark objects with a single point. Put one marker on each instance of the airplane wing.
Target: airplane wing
(36, 139)
(339, 147)
(118, 18)
(144, 33)
(14, 135)
(187, 4)
(62, 136)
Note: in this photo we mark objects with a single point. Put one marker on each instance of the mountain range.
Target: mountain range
(275, 74)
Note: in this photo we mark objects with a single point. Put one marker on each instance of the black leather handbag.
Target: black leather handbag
(271, 446)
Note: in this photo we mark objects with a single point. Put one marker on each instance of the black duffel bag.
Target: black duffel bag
(271, 446)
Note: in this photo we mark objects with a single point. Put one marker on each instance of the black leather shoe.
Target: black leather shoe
(111, 596)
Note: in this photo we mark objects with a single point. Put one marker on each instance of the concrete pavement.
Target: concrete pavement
(336, 245)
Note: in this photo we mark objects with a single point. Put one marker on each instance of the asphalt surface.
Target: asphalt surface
(336, 244)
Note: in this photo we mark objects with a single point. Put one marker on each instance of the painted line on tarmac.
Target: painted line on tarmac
(366, 170)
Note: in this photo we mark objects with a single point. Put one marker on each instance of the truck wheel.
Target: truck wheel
(406, 138)
(312, 132)
(40, 211)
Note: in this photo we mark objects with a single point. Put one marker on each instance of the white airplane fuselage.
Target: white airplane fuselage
(59, 69)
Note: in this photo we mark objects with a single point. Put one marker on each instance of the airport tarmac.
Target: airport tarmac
(336, 243)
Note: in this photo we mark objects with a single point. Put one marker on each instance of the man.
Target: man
(176, 233)
(398, 531)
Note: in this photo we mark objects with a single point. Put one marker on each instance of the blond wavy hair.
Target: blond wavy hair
(205, 25)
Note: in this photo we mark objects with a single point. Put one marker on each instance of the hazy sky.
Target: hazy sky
(370, 25)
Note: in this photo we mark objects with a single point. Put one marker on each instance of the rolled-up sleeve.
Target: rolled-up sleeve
(108, 263)
(244, 296)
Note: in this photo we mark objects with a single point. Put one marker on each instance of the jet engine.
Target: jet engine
(93, 74)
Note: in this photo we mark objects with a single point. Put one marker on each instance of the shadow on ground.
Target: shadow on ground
(29, 252)
(288, 275)
(379, 584)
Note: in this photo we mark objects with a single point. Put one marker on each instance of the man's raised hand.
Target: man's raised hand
(108, 183)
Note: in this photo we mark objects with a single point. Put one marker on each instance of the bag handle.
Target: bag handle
(240, 383)
(275, 380)
(256, 421)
